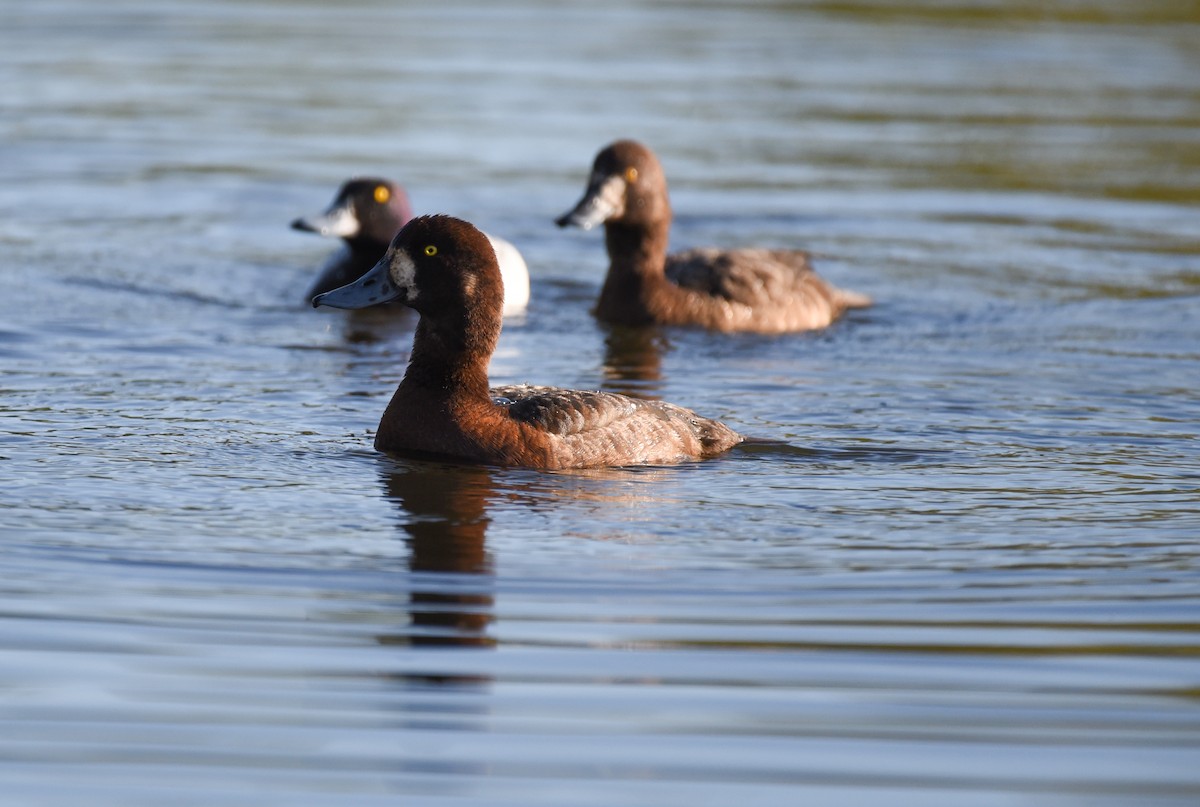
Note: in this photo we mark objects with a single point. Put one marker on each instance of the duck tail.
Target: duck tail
(851, 299)
(716, 437)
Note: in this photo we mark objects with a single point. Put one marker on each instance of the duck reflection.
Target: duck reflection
(443, 512)
(633, 360)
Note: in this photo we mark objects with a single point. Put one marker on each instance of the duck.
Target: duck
(767, 291)
(366, 214)
(444, 269)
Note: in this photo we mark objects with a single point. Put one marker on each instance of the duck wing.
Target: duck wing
(749, 276)
(564, 411)
(778, 285)
(605, 428)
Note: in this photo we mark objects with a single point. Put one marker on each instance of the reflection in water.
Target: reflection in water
(633, 360)
(443, 510)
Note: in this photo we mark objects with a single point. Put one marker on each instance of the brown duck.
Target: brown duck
(446, 270)
(757, 290)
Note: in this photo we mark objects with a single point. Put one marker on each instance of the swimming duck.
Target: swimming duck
(444, 269)
(758, 290)
(366, 214)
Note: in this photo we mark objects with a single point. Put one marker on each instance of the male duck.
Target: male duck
(759, 290)
(367, 213)
(444, 269)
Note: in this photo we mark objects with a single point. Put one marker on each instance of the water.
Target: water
(962, 570)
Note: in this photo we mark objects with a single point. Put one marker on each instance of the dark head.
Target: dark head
(437, 265)
(365, 208)
(627, 185)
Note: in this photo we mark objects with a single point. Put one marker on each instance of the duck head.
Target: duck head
(627, 186)
(366, 208)
(434, 265)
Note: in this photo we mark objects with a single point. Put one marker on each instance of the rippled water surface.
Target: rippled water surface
(960, 568)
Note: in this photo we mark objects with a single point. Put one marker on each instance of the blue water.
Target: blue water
(961, 568)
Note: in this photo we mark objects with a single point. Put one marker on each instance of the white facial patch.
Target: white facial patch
(404, 274)
(341, 223)
(603, 201)
(612, 196)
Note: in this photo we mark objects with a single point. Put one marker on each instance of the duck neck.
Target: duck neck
(637, 255)
(450, 358)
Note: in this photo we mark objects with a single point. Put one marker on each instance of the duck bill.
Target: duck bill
(603, 200)
(336, 222)
(373, 288)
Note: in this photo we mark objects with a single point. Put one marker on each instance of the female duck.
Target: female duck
(366, 214)
(444, 269)
(759, 290)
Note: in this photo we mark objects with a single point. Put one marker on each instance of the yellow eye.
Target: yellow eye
(631, 174)
(382, 194)
(431, 250)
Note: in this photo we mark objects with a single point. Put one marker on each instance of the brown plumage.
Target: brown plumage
(758, 290)
(445, 269)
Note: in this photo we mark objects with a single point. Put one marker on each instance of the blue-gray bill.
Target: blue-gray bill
(373, 288)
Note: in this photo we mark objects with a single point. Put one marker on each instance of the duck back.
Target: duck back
(762, 290)
(588, 428)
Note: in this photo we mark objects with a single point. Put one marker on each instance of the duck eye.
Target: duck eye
(382, 194)
(431, 250)
(631, 174)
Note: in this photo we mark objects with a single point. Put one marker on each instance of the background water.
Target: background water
(965, 572)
